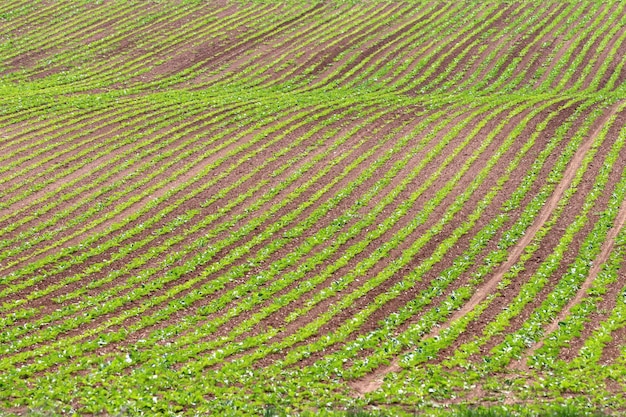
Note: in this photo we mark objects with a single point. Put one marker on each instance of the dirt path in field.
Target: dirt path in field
(549, 243)
(463, 243)
(605, 252)
(374, 381)
(604, 308)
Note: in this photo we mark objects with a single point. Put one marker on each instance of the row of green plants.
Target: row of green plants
(427, 349)
(384, 341)
(411, 68)
(158, 218)
(236, 236)
(485, 171)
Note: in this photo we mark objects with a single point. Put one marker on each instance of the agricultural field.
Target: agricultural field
(221, 207)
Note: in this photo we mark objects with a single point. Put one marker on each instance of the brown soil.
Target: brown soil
(535, 56)
(592, 52)
(386, 50)
(511, 48)
(426, 51)
(601, 59)
(360, 41)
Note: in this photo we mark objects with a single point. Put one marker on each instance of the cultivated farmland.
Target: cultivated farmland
(216, 207)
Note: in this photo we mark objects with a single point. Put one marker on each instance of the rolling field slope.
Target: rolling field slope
(212, 207)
